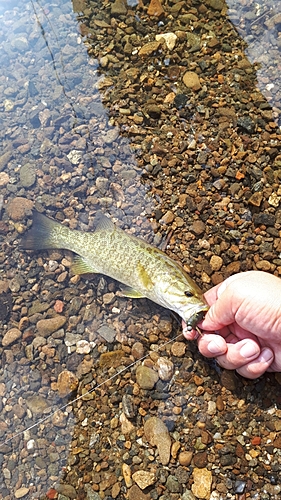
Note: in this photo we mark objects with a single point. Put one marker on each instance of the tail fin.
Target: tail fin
(43, 234)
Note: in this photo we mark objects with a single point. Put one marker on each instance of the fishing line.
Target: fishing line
(63, 407)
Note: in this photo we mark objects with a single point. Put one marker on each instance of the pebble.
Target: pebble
(4, 179)
(216, 262)
(67, 383)
(170, 39)
(157, 435)
(67, 490)
(27, 175)
(11, 336)
(155, 9)
(191, 80)
(178, 349)
(21, 492)
(185, 458)
(146, 377)
(165, 368)
(144, 478)
(202, 483)
(46, 327)
(18, 208)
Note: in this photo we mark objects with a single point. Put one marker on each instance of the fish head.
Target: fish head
(185, 298)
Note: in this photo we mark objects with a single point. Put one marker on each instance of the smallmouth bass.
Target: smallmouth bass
(145, 270)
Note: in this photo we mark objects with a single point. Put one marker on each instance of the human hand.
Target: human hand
(245, 313)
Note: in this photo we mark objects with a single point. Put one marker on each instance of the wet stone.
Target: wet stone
(146, 377)
(27, 175)
(67, 490)
(67, 383)
(157, 435)
(11, 336)
(46, 327)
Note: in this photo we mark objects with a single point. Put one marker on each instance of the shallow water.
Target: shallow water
(93, 117)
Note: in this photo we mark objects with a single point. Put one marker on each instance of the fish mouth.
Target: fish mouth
(196, 318)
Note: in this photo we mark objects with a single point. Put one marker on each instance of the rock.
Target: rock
(178, 349)
(27, 175)
(37, 404)
(107, 333)
(21, 492)
(144, 478)
(67, 490)
(202, 483)
(146, 377)
(216, 262)
(119, 8)
(170, 39)
(167, 218)
(136, 493)
(172, 484)
(47, 326)
(148, 48)
(126, 426)
(4, 159)
(126, 471)
(198, 227)
(137, 350)
(263, 265)
(67, 383)
(165, 368)
(191, 80)
(18, 208)
(11, 336)
(256, 199)
(185, 458)
(4, 179)
(157, 435)
(155, 9)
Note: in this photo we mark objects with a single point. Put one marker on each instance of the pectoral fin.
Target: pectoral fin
(127, 291)
(81, 266)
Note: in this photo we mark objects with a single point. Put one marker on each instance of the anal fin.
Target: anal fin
(129, 292)
(81, 266)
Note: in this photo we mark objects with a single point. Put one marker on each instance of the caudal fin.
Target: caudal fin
(43, 234)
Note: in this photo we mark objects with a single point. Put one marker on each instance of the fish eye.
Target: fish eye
(187, 293)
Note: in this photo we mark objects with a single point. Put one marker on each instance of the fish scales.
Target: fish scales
(145, 270)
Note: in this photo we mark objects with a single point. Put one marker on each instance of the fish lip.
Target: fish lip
(196, 317)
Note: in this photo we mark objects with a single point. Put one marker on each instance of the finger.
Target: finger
(212, 345)
(239, 354)
(258, 366)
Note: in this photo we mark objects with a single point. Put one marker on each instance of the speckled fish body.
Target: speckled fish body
(145, 270)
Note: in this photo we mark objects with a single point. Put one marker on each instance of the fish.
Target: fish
(142, 269)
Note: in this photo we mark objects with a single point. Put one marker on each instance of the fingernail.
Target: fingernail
(248, 350)
(213, 348)
(266, 355)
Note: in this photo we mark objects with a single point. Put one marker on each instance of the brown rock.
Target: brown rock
(216, 262)
(136, 493)
(178, 349)
(47, 326)
(149, 48)
(229, 379)
(144, 478)
(11, 336)
(18, 208)
(157, 434)
(198, 227)
(67, 383)
(167, 218)
(119, 8)
(155, 8)
(263, 265)
(191, 80)
(185, 458)
(202, 483)
(256, 199)
(146, 377)
(200, 459)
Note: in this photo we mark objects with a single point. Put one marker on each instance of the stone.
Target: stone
(146, 377)
(148, 48)
(67, 490)
(18, 208)
(178, 349)
(170, 39)
(165, 368)
(11, 336)
(21, 492)
(67, 383)
(202, 483)
(46, 327)
(155, 9)
(157, 435)
(185, 458)
(119, 8)
(191, 80)
(144, 478)
(4, 159)
(37, 404)
(216, 262)
(27, 175)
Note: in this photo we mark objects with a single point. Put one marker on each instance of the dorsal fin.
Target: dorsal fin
(103, 223)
